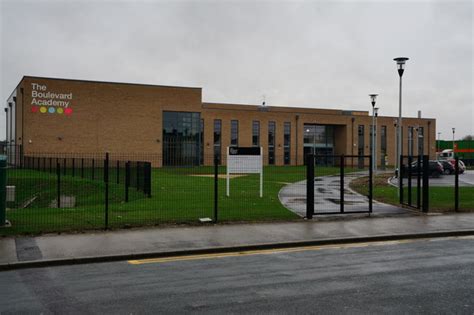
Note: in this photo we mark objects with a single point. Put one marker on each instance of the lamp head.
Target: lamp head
(400, 64)
(373, 97)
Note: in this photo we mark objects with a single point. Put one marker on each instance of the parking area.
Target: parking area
(465, 180)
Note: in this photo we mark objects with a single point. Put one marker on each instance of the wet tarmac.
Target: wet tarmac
(327, 193)
(465, 180)
(169, 239)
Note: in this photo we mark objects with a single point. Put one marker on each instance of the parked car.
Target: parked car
(462, 166)
(447, 167)
(435, 168)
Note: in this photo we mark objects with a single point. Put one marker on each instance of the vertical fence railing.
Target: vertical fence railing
(426, 184)
(341, 184)
(456, 184)
(58, 174)
(216, 191)
(127, 180)
(106, 180)
(309, 186)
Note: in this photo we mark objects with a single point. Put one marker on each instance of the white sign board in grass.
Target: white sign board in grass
(244, 160)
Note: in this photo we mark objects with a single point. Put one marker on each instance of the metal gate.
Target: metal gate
(413, 181)
(328, 188)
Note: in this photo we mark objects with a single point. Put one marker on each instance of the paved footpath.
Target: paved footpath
(160, 240)
(327, 197)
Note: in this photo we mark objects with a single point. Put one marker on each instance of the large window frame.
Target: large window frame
(256, 133)
(271, 142)
(218, 139)
(287, 143)
(234, 133)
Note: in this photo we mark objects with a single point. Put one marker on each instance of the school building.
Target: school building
(51, 115)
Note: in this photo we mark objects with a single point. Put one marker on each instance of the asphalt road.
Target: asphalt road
(421, 276)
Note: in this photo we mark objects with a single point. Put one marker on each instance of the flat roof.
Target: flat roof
(108, 82)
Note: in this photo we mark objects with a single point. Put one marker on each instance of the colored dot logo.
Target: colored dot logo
(51, 110)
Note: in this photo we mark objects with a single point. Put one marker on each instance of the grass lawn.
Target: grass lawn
(179, 195)
(440, 198)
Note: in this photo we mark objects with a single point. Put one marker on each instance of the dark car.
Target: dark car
(435, 168)
(447, 166)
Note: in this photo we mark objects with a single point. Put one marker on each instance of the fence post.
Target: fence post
(216, 177)
(426, 185)
(127, 179)
(73, 166)
(118, 172)
(64, 166)
(341, 201)
(400, 179)
(456, 184)
(410, 160)
(309, 186)
(371, 185)
(21, 157)
(50, 164)
(138, 176)
(147, 178)
(82, 167)
(418, 183)
(58, 173)
(106, 179)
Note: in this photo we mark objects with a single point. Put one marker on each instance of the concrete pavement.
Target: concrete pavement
(21, 252)
(327, 197)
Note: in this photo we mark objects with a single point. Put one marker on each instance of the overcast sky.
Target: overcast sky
(324, 54)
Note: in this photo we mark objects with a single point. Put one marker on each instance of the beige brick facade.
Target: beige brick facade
(127, 118)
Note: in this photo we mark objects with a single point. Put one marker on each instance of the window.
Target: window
(410, 140)
(286, 142)
(271, 142)
(234, 133)
(202, 141)
(181, 138)
(371, 136)
(383, 144)
(256, 133)
(421, 138)
(361, 144)
(217, 139)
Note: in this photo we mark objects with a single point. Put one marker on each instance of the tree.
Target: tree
(468, 137)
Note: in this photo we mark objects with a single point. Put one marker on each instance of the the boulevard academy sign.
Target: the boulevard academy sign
(44, 101)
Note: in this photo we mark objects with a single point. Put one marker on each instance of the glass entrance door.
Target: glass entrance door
(319, 140)
(181, 138)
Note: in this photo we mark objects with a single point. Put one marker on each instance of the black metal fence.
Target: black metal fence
(414, 181)
(64, 192)
(130, 173)
(331, 193)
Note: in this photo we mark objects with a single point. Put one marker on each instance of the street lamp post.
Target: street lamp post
(373, 98)
(376, 110)
(401, 68)
(396, 144)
